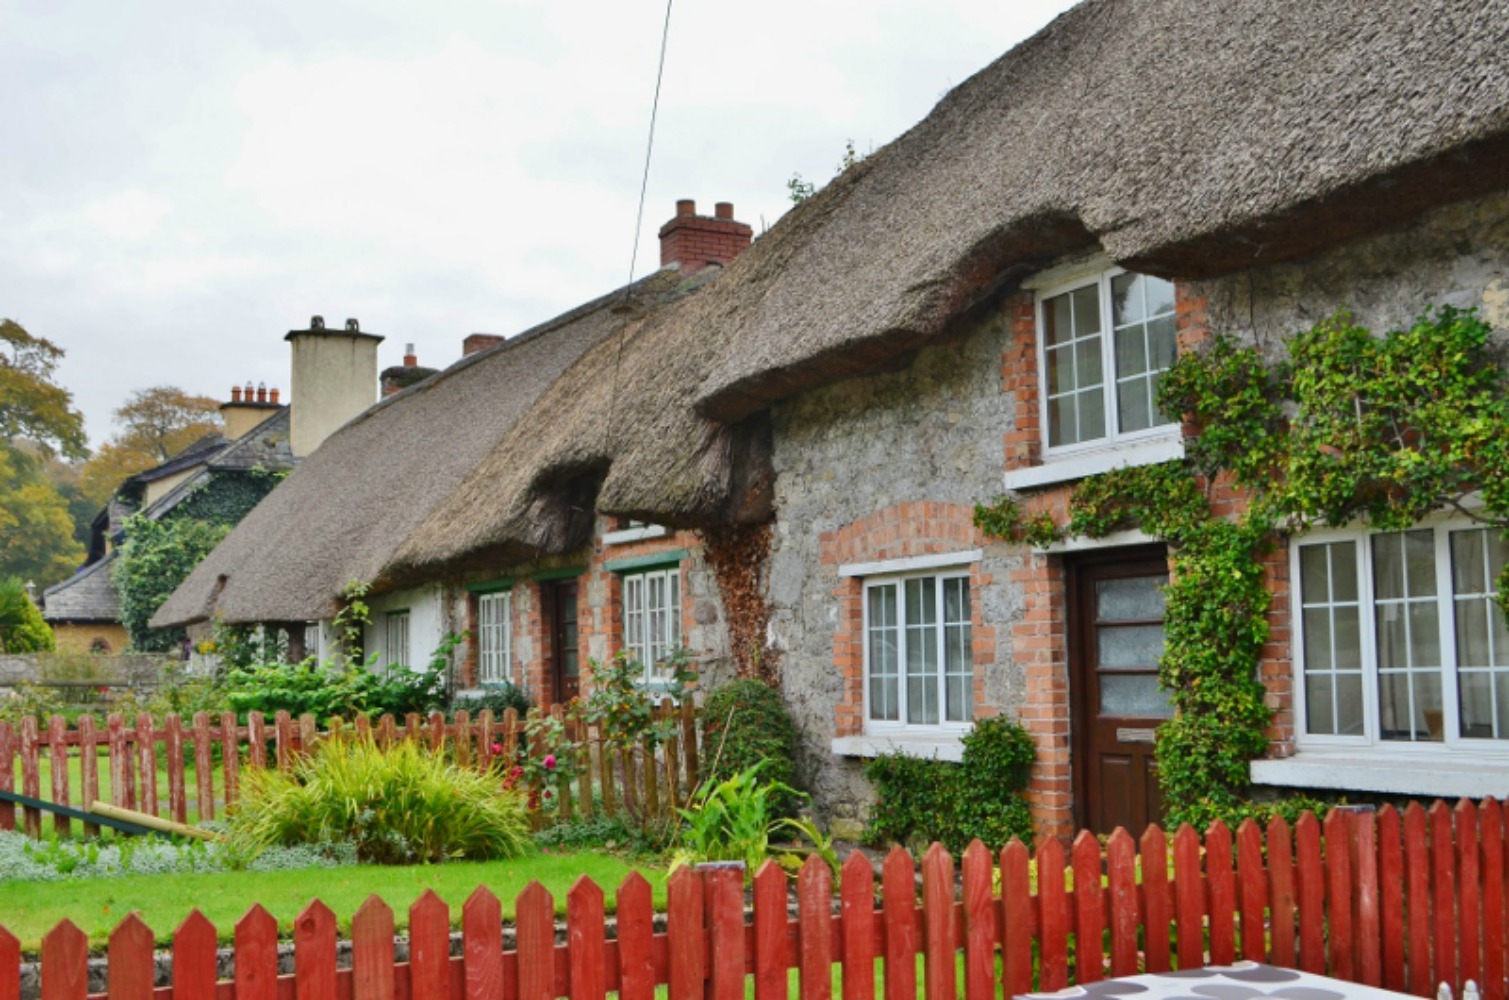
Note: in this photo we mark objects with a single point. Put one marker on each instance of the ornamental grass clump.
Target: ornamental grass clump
(403, 804)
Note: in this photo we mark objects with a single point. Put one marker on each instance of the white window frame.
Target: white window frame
(1113, 438)
(396, 636)
(650, 633)
(494, 637)
(900, 727)
(1452, 744)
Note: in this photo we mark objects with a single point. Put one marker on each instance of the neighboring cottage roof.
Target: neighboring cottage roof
(265, 446)
(87, 596)
(197, 453)
(1186, 137)
(349, 506)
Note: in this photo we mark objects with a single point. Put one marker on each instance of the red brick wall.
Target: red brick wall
(693, 241)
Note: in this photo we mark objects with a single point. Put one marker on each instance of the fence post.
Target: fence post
(57, 748)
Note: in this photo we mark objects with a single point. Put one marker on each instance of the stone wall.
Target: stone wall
(925, 440)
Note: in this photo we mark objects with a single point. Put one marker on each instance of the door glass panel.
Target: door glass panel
(1134, 696)
(1130, 647)
(1138, 598)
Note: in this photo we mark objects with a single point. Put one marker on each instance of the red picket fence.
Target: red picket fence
(141, 759)
(1403, 901)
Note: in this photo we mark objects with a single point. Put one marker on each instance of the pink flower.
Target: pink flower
(518, 769)
(549, 761)
(497, 748)
(547, 793)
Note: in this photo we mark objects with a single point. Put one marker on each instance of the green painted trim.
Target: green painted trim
(632, 563)
(559, 573)
(491, 586)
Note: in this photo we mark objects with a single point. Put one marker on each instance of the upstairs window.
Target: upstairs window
(1104, 344)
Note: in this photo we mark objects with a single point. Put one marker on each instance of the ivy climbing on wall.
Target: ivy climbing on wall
(738, 555)
(1347, 428)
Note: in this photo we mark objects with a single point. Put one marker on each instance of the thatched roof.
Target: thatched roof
(1186, 137)
(341, 515)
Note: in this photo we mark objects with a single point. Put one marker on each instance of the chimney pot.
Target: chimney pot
(316, 322)
(249, 391)
(686, 206)
(410, 359)
(724, 210)
(272, 395)
(352, 326)
(235, 394)
(261, 392)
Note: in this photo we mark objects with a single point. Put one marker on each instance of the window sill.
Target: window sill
(1066, 468)
(633, 534)
(1435, 775)
(948, 747)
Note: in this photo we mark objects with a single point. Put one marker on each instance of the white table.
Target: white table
(1242, 981)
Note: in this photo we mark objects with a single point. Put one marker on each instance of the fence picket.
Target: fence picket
(584, 940)
(89, 770)
(7, 774)
(1223, 894)
(689, 744)
(1391, 899)
(256, 739)
(902, 937)
(31, 775)
(482, 945)
(535, 933)
(203, 768)
(684, 938)
(430, 948)
(1089, 906)
(1417, 865)
(857, 907)
(1443, 863)
(178, 806)
(584, 795)
(1121, 865)
(1469, 898)
(283, 736)
(58, 754)
(146, 763)
(10, 958)
(1189, 898)
(1053, 918)
(1281, 898)
(195, 969)
(1157, 899)
(372, 950)
(1016, 919)
(257, 955)
(980, 932)
(1311, 886)
(651, 777)
(387, 730)
(129, 960)
(939, 927)
(636, 937)
(1491, 837)
(1365, 879)
(230, 755)
(309, 730)
(724, 902)
(313, 949)
(1252, 890)
(65, 963)
(772, 957)
(1340, 942)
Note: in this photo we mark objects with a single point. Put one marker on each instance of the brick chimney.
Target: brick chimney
(692, 242)
(480, 342)
(248, 408)
(334, 379)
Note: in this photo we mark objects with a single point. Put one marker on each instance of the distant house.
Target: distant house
(984, 304)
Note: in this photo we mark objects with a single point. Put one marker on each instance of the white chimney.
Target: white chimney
(334, 379)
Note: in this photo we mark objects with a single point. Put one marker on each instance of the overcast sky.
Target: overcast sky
(184, 182)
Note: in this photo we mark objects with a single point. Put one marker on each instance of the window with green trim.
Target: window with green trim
(652, 618)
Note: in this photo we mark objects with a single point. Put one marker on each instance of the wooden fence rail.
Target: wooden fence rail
(1402, 901)
(165, 768)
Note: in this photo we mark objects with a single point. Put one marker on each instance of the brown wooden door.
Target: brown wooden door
(565, 658)
(1116, 639)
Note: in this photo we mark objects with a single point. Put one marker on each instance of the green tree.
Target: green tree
(154, 560)
(32, 405)
(22, 629)
(152, 426)
(36, 531)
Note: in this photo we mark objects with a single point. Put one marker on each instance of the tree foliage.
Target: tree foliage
(32, 405)
(152, 426)
(22, 629)
(37, 540)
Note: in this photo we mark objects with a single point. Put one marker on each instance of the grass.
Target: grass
(31, 909)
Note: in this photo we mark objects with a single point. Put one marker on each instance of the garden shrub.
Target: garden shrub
(397, 805)
(734, 820)
(497, 697)
(981, 797)
(22, 628)
(745, 722)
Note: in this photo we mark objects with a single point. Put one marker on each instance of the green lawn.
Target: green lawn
(30, 909)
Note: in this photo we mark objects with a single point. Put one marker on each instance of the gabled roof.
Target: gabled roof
(197, 453)
(87, 596)
(349, 506)
(1186, 138)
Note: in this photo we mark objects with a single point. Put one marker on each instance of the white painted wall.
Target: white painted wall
(427, 623)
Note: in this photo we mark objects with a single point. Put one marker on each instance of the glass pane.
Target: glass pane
(1420, 562)
(1348, 638)
(1320, 708)
(884, 702)
(1392, 650)
(1130, 647)
(1063, 425)
(1349, 704)
(921, 701)
(956, 600)
(1056, 321)
(1134, 406)
(1087, 363)
(1394, 707)
(959, 709)
(956, 645)
(1092, 415)
(1469, 570)
(1314, 574)
(1126, 298)
(1343, 571)
(1476, 692)
(1160, 295)
(1131, 352)
(1086, 310)
(1501, 702)
(1428, 706)
(1060, 362)
(1388, 566)
(1134, 696)
(1317, 639)
(882, 606)
(921, 601)
(1162, 343)
(1424, 636)
(1472, 633)
(1139, 598)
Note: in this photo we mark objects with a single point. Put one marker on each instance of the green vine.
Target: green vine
(1349, 428)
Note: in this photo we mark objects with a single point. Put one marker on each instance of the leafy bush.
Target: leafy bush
(733, 820)
(30, 700)
(497, 697)
(981, 797)
(397, 805)
(330, 689)
(22, 628)
(25, 860)
(612, 833)
(156, 558)
(744, 723)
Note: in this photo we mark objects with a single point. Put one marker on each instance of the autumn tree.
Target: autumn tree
(153, 425)
(37, 422)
